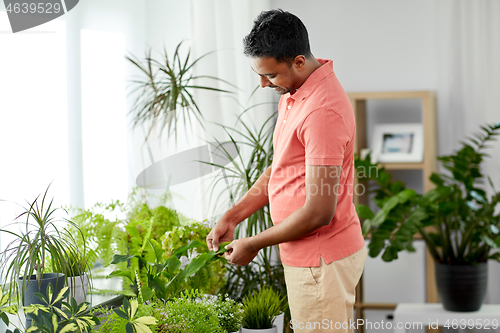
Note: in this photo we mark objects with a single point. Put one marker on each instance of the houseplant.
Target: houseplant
(260, 310)
(257, 153)
(166, 90)
(23, 259)
(456, 219)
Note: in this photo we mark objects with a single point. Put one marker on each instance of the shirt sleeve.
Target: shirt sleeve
(325, 137)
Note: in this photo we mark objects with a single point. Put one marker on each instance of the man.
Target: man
(310, 184)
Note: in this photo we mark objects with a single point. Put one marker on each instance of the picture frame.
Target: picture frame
(403, 143)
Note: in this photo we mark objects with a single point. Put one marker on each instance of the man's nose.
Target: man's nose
(264, 82)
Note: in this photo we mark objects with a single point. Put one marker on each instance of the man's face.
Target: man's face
(273, 74)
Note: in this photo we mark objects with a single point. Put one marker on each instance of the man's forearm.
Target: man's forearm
(256, 198)
(300, 223)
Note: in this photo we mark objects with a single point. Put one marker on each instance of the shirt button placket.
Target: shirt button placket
(286, 113)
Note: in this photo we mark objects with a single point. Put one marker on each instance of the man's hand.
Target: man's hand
(222, 232)
(240, 252)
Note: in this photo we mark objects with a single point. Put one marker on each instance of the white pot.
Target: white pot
(274, 329)
(78, 286)
(279, 322)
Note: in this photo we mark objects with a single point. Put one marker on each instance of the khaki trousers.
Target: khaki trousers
(321, 298)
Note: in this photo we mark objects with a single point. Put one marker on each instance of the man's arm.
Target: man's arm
(255, 198)
(318, 210)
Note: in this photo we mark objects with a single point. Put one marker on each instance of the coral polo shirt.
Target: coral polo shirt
(315, 127)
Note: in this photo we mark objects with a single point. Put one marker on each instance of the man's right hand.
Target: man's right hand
(222, 232)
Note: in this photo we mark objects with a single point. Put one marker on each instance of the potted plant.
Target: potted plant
(260, 310)
(229, 312)
(77, 275)
(40, 239)
(166, 91)
(456, 219)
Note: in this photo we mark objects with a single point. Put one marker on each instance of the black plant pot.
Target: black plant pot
(40, 286)
(461, 287)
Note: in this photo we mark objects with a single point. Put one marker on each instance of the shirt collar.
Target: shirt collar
(312, 81)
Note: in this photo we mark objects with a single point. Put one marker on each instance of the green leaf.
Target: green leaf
(364, 212)
(129, 328)
(119, 258)
(120, 272)
(121, 314)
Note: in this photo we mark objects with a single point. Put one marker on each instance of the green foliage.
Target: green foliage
(49, 318)
(135, 324)
(42, 240)
(188, 315)
(456, 219)
(111, 322)
(165, 91)
(5, 307)
(262, 308)
(229, 312)
(164, 280)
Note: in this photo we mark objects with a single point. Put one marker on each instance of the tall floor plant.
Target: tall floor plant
(239, 176)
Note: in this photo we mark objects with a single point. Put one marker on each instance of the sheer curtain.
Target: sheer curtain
(469, 86)
(218, 28)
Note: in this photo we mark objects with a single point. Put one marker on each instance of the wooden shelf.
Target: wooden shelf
(403, 166)
(428, 166)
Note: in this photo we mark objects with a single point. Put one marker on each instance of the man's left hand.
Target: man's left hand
(240, 252)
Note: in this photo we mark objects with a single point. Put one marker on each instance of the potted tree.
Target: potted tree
(260, 310)
(41, 240)
(456, 219)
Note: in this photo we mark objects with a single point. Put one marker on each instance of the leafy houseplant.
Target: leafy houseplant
(456, 219)
(23, 259)
(167, 90)
(261, 309)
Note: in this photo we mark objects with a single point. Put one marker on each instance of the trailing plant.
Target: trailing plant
(165, 91)
(262, 308)
(456, 219)
(40, 240)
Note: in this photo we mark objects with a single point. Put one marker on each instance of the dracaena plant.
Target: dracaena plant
(456, 219)
(166, 90)
(39, 240)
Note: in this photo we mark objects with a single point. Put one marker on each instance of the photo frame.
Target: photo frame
(398, 143)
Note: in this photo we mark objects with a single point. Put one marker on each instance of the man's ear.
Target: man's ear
(299, 62)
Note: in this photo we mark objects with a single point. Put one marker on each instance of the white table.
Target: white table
(419, 315)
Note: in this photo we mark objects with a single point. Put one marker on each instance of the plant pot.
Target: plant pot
(78, 286)
(461, 287)
(279, 321)
(274, 329)
(34, 286)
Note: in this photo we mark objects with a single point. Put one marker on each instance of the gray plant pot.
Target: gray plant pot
(461, 287)
(40, 286)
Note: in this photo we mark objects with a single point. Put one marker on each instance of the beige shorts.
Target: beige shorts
(321, 298)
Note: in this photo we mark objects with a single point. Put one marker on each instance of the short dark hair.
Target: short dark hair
(277, 34)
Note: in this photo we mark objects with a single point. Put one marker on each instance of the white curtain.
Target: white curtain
(218, 28)
(220, 25)
(469, 65)
(469, 87)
